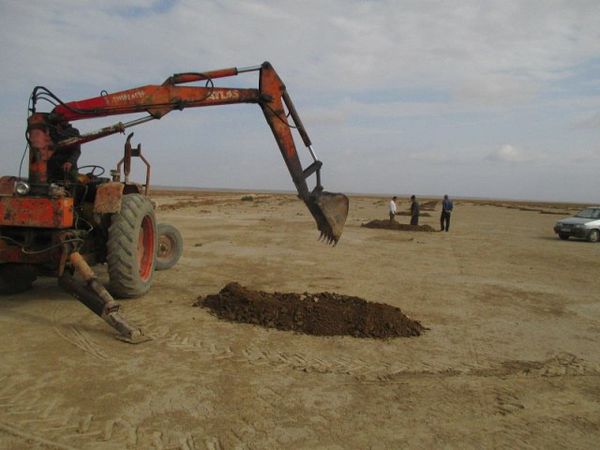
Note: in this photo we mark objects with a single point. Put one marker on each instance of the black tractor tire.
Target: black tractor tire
(16, 278)
(594, 236)
(170, 246)
(563, 236)
(131, 247)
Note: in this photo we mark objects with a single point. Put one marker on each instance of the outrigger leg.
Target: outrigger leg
(93, 295)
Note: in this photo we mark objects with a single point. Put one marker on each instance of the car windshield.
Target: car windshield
(589, 213)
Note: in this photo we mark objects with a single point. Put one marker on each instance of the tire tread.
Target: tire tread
(121, 246)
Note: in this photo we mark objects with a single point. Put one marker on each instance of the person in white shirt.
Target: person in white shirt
(392, 208)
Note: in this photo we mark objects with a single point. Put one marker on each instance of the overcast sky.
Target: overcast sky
(470, 98)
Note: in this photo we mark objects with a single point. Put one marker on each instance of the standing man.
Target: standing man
(414, 211)
(392, 208)
(447, 208)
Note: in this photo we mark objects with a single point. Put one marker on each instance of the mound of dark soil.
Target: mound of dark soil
(393, 225)
(321, 314)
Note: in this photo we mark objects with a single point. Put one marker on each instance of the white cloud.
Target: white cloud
(509, 153)
(506, 49)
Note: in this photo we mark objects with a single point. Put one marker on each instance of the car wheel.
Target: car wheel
(594, 236)
(563, 236)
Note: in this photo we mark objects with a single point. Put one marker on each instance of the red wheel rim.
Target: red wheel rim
(146, 248)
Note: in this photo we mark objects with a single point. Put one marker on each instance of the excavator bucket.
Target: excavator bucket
(330, 211)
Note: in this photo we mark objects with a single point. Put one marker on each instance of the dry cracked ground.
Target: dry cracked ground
(510, 360)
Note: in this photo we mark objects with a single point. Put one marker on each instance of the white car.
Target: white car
(584, 225)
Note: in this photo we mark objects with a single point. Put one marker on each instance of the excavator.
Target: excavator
(60, 222)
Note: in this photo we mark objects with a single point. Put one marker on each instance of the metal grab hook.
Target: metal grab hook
(132, 152)
(128, 153)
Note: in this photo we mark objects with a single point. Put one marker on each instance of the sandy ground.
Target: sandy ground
(511, 359)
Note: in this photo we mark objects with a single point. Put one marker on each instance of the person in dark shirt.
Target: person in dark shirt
(414, 211)
(447, 207)
(62, 165)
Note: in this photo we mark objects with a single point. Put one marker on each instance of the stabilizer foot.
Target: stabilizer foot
(93, 295)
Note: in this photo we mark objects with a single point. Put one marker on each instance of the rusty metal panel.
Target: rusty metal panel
(40, 147)
(7, 186)
(108, 198)
(36, 212)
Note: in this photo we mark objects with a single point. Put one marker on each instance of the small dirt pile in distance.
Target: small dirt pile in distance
(429, 206)
(393, 225)
(408, 214)
(320, 314)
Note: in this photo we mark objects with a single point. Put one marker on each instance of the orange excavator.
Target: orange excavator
(60, 222)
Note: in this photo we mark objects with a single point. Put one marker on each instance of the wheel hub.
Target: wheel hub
(166, 246)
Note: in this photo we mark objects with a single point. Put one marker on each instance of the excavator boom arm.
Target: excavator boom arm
(329, 210)
(157, 100)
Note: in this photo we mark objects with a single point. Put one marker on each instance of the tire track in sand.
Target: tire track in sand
(29, 412)
(75, 335)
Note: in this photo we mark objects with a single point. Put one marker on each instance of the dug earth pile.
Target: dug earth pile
(393, 225)
(320, 314)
